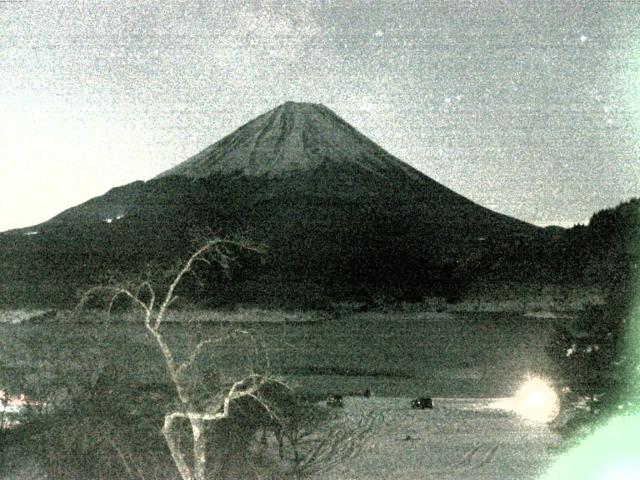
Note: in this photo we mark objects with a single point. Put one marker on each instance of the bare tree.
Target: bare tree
(325, 441)
(143, 296)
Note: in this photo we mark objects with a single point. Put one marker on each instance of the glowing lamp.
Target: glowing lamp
(536, 401)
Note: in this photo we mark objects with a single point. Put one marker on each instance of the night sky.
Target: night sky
(529, 108)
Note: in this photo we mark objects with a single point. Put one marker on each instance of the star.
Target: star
(583, 38)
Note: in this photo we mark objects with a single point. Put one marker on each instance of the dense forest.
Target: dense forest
(311, 261)
(601, 253)
(597, 354)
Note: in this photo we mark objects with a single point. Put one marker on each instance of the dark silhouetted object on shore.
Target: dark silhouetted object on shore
(422, 403)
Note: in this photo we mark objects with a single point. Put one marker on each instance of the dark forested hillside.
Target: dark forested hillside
(601, 253)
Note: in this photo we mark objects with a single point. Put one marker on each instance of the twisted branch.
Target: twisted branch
(153, 320)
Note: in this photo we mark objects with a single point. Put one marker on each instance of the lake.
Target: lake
(394, 354)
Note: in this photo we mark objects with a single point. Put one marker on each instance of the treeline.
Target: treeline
(597, 254)
(596, 355)
(316, 253)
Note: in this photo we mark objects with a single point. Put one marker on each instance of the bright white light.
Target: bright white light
(536, 401)
(583, 38)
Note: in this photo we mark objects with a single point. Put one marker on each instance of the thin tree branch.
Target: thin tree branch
(210, 341)
(248, 386)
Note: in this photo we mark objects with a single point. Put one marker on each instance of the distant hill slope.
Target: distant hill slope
(603, 253)
(339, 215)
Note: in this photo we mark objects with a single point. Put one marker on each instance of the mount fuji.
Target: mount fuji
(339, 215)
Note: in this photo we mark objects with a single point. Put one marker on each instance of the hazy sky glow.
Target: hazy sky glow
(529, 108)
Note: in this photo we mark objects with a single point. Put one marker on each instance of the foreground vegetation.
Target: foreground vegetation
(94, 421)
(597, 354)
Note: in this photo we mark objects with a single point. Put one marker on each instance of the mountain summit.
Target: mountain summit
(293, 137)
